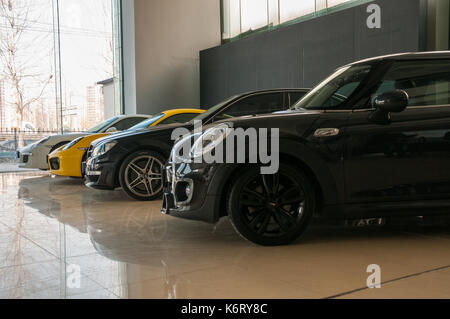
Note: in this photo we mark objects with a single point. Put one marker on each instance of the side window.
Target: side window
(125, 124)
(426, 82)
(179, 118)
(294, 97)
(253, 105)
(342, 94)
(346, 86)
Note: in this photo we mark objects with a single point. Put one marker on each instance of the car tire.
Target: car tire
(139, 178)
(256, 210)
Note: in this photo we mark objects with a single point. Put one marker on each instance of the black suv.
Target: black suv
(134, 160)
(370, 141)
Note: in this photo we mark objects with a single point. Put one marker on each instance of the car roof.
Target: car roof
(267, 91)
(133, 115)
(407, 56)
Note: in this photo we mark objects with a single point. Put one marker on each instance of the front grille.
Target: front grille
(54, 164)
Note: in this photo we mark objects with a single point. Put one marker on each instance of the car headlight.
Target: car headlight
(72, 144)
(103, 149)
(210, 139)
(44, 140)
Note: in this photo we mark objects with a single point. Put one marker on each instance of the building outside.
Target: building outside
(108, 90)
(71, 118)
(41, 115)
(94, 106)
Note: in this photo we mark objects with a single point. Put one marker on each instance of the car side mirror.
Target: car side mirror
(111, 130)
(387, 103)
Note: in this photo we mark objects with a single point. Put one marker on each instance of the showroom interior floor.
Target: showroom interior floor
(52, 227)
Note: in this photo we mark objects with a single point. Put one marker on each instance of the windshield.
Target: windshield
(213, 110)
(147, 123)
(336, 89)
(100, 127)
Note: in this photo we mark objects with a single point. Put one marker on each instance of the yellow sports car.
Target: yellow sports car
(68, 160)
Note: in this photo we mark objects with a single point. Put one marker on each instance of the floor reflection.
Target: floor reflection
(127, 249)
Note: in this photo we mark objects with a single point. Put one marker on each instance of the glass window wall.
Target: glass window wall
(241, 17)
(60, 69)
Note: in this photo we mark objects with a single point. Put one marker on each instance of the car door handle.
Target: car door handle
(326, 132)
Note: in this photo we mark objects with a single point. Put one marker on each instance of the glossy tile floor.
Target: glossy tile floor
(52, 229)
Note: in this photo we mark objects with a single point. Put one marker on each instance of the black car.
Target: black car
(370, 141)
(135, 160)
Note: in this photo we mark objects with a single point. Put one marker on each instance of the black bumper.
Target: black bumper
(207, 182)
(205, 213)
(100, 176)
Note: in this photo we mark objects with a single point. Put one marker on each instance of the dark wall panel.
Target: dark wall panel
(278, 60)
(301, 55)
(328, 43)
(399, 31)
(242, 68)
(214, 70)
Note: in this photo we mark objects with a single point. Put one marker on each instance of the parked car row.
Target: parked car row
(372, 140)
(123, 159)
(69, 160)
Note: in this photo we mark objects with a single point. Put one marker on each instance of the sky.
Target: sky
(86, 31)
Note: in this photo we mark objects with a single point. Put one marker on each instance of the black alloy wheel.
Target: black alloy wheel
(274, 209)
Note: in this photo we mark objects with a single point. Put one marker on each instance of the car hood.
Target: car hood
(160, 129)
(28, 148)
(54, 139)
(70, 136)
(272, 119)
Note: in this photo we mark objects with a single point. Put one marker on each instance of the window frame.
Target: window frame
(127, 118)
(161, 122)
(213, 117)
(386, 66)
(274, 24)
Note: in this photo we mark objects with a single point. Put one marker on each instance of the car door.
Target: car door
(404, 163)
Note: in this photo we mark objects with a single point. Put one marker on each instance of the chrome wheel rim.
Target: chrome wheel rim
(272, 205)
(143, 176)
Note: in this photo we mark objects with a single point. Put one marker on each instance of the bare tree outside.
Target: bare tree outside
(23, 56)
(108, 54)
(49, 85)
